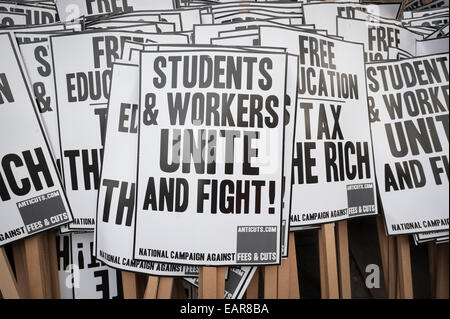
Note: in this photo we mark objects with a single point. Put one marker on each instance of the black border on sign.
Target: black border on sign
(279, 257)
(256, 23)
(118, 17)
(128, 24)
(256, 4)
(14, 15)
(295, 28)
(244, 280)
(354, 4)
(58, 182)
(375, 23)
(258, 11)
(233, 37)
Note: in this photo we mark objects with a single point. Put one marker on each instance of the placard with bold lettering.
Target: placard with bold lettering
(82, 80)
(72, 9)
(32, 199)
(38, 63)
(378, 37)
(323, 14)
(116, 199)
(333, 150)
(408, 102)
(12, 18)
(81, 275)
(210, 159)
(131, 52)
(34, 14)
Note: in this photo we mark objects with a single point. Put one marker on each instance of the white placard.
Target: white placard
(82, 79)
(81, 276)
(223, 208)
(72, 9)
(378, 37)
(333, 172)
(116, 200)
(32, 199)
(323, 14)
(408, 101)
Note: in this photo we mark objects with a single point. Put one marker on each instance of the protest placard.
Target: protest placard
(332, 152)
(408, 103)
(223, 183)
(81, 275)
(116, 199)
(82, 80)
(32, 199)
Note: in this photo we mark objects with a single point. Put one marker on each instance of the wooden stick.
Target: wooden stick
(392, 269)
(178, 289)
(404, 266)
(53, 265)
(200, 284)
(283, 273)
(207, 283)
(345, 288)
(383, 242)
(165, 288)
(330, 260)
(36, 266)
(271, 282)
(442, 272)
(432, 261)
(20, 264)
(212, 282)
(294, 288)
(221, 275)
(253, 287)
(151, 291)
(8, 284)
(323, 273)
(129, 285)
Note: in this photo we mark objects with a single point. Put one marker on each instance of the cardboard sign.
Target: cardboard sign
(32, 199)
(441, 32)
(132, 50)
(225, 184)
(323, 14)
(72, 9)
(38, 63)
(205, 32)
(34, 14)
(82, 80)
(81, 276)
(138, 26)
(431, 21)
(116, 199)
(378, 37)
(236, 282)
(408, 103)
(416, 5)
(243, 40)
(432, 46)
(430, 237)
(12, 18)
(188, 17)
(333, 149)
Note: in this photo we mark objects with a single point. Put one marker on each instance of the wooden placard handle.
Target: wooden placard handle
(8, 283)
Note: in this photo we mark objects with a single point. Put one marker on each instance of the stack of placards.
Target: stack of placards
(164, 136)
